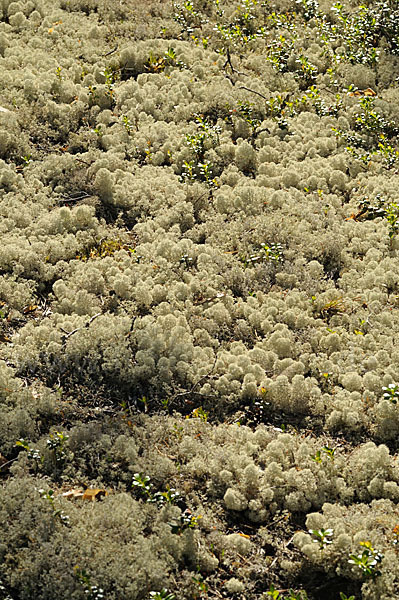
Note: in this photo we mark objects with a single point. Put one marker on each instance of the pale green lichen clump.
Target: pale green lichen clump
(199, 299)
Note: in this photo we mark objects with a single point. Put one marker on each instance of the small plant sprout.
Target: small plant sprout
(345, 597)
(391, 393)
(56, 448)
(186, 16)
(98, 131)
(93, 592)
(388, 152)
(144, 402)
(188, 173)
(57, 512)
(199, 580)
(103, 248)
(206, 131)
(317, 457)
(32, 453)
(200, 413)
(148, 151)
(26, 159)
(323, 537)
(127, 123)
(273, 593)
(395, 532)
(272, 252)
(186, 521)
(142, 483)
(329, 452)
(326, 380)
(296, 595)
(260, 406)
(205, 171)
(170, 496)
(186, 261)
(367, 561)
(309, 7)
(292, 594)
(206, 136)
(165, 403)
(364, 324)
(3, 592)
(111, 75)
(162, 595)
(380, 208)
(246, 112)
(178, 431)
(392, 216)
(55, 443)
(371, 133)
(306, 71)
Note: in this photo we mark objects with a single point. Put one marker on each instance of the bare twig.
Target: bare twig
(196, 384)
(215, 593)
(75, 197)
(246, 560)
(204, 300)
(111, 51)
(8, 463)
(228, 62)
(277, 556)
(83, 161)
(69, 333)
(243, 87)
(166, 455)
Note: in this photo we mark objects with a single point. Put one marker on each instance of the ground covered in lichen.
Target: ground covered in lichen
(199, 300)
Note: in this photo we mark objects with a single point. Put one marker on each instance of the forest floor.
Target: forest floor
(199, 300)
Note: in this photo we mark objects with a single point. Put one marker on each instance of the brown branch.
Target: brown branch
(8, 462)
(233, 69)
(83, 161)
(228, 62)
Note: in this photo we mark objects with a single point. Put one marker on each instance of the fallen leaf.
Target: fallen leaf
(91, 494)
(29, 309)
(73, 494)
(367, 92)
(94, 494)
